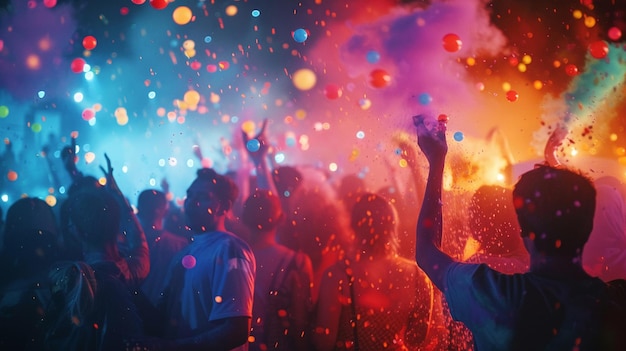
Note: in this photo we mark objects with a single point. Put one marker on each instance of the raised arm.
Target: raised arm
(428, 254)
(68, 155)
(134, 246)
(259, 157)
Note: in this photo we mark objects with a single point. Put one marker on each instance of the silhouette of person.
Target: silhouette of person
(282, 293)
(29, 249)
(152, 207)
(367, 300)
(92, 306)
(556, 305)
(209, 287)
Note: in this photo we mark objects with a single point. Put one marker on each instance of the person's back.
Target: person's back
(92, 305)
(29, 249)
(375, 299)
(554, 306)
(209, 287)
(528, 311)
(282, 292)
(152, 206)
(91, 309)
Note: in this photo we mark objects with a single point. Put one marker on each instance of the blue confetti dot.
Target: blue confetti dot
(300, 35)
(425, 98)
(253, 145)
(256, 13)
(208, 39)
(458, 136)
(373, 56)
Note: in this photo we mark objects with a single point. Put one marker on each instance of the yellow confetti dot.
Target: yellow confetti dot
(590, 22)
(218, 299)
(231, 10)
(577, 14)
(51, 200)
(300, 114)
(538, 84)
(33, 62)
(189, 44)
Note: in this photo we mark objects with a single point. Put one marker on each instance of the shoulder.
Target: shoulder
(461, 278)
(220, 242)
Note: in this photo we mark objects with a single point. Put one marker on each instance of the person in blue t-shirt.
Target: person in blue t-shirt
(209, 287)
(556, 305)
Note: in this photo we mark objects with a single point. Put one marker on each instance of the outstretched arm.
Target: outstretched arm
(428, 254)
(259, 157)
(68, 155)
(135, 246)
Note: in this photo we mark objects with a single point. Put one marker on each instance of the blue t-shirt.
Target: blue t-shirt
(212, 278)
(527, 311)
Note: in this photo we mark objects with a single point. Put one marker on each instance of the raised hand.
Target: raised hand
(111, 182)
(264, 145)
(68, 156)
(431, 138)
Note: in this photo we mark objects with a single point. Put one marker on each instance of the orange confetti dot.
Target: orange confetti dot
(12, 176)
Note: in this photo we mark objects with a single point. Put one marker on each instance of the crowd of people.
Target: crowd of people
(282, 259)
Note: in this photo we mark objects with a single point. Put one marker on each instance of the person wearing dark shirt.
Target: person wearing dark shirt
(556, 305)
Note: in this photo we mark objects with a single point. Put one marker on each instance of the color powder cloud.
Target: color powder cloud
(410, 44)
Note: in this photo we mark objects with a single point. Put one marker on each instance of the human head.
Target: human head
(151, 204)
(555, 209)
(350, 188)
(287, 180)
(95, 216)
(209, 197)
(374, 221)
(31, 233)
(492, 220)
(262, 211)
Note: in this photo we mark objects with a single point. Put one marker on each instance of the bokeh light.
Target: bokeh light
(304, 79)
(182, 15)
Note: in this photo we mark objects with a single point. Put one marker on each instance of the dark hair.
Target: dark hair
(555, 208)
(287, 180)
(149, 201)
(262, 211)
(95, 214)
(224, 188)
(30, 235)
(374, 221)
